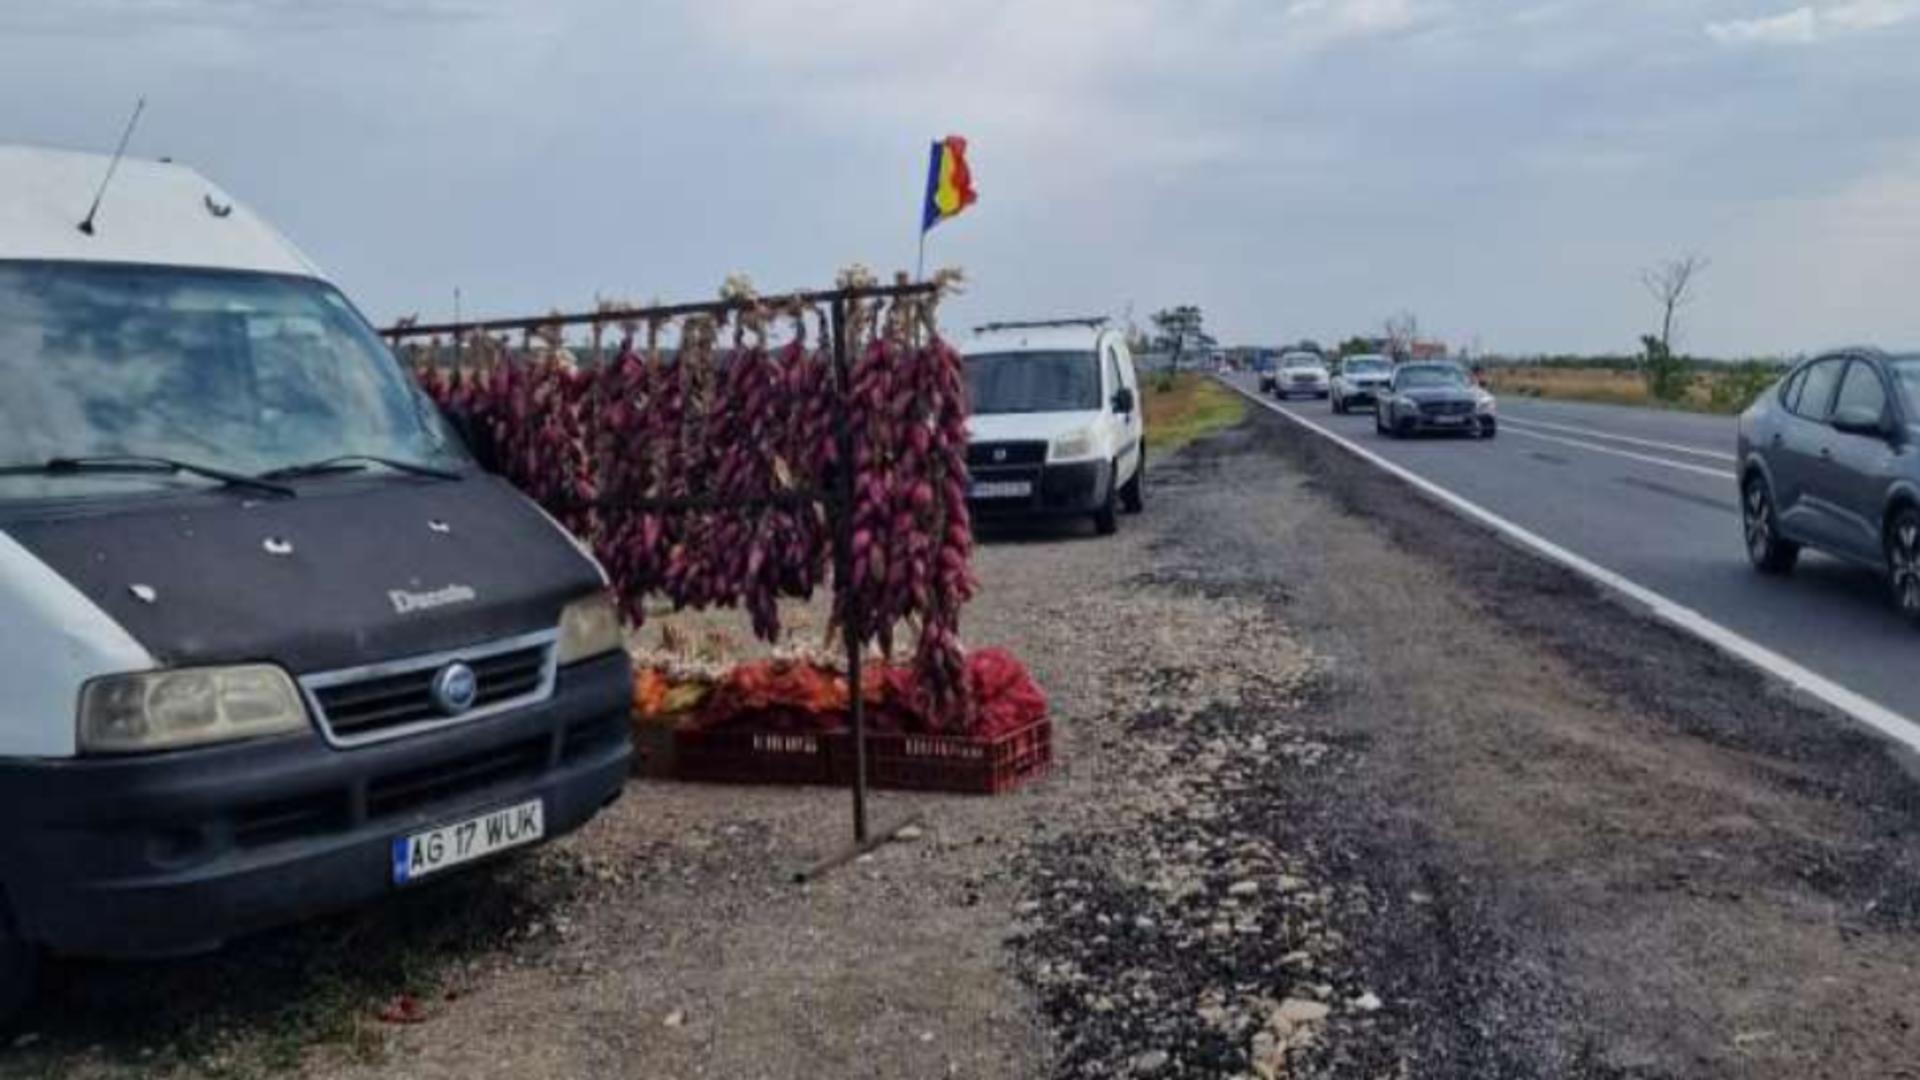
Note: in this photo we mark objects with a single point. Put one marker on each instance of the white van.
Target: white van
(273, 644)
(1056, 428)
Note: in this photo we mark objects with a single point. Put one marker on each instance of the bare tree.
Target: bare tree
(1671, 286)
(1401, 331)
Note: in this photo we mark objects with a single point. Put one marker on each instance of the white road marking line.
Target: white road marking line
(1858, 706)
(1516, 427)
(1652, 444)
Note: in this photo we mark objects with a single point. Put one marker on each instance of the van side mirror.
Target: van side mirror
(1123, 402)
(1859, 420)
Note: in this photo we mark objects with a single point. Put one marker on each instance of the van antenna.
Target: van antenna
(86, 225)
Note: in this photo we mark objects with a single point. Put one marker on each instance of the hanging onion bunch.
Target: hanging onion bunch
(688, 470)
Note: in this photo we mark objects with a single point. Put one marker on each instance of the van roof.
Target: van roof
(154, 213)
(1080, 337)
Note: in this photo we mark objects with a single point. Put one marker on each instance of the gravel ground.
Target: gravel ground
(1347, 788)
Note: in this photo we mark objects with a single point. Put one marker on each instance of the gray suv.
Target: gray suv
(1827, 460)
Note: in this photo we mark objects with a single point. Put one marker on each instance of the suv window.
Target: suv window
(1816, 390)
(1790, 390)
(1862, 389)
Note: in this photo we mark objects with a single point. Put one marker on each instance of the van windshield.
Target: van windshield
(1033, 382)
(245, 372)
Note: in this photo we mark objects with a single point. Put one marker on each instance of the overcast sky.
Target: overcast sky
(1502, 169)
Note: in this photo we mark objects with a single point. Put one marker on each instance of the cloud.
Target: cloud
(143, 17)
(1801, 26)
(1808, 25)
(1871, 14)
(1334, 20)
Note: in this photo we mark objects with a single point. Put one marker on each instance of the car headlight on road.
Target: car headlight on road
(167, 710)
(1074, 444)
(589, 627)
(1484, 404)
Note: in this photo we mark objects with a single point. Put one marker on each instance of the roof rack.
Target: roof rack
(1094, 322)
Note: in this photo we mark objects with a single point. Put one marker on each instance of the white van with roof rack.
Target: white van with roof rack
(1056, 429)
(275, 643)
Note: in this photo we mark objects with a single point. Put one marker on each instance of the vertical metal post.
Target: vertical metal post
(853, 620)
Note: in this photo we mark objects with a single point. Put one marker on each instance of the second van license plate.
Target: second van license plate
(422, 853)
(1003, 489)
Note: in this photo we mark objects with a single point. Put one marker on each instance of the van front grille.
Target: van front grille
(388, 700)
(990, 454)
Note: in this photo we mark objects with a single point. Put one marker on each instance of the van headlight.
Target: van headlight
(1074, 444)
(589, 627)
(166, 710)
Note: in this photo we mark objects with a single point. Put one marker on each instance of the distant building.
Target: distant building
(1427, 350)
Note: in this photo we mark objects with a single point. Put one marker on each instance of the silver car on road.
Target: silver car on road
(1360, 380)
(1828, 460)
(1301, 373)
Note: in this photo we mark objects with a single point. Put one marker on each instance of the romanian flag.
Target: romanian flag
(949, 182)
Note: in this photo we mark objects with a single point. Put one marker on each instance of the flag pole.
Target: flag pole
(920, 264)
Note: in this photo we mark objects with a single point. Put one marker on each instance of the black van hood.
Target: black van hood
(355, 571)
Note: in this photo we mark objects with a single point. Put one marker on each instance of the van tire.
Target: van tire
(1133, 494)
(1106, 520)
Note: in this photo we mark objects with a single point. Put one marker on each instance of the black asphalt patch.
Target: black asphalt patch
(1725, 506)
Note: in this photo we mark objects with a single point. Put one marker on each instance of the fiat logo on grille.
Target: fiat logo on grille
(454, 689)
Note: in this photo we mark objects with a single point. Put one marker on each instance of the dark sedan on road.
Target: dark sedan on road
(1434, 397)
(1828, 461)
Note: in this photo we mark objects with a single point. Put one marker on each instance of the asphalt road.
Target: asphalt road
(1650, 495)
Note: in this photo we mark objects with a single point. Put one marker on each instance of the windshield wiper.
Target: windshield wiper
(345, 463)
(144, 463)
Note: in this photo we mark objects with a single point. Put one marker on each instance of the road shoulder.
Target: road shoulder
(1719, 880)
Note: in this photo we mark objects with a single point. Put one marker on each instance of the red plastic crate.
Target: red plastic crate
(961, 763)
(752, 757)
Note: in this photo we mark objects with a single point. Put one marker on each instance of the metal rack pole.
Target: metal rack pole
(852, 620)
(528, 324)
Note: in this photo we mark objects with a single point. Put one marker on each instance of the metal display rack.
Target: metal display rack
(837, 502)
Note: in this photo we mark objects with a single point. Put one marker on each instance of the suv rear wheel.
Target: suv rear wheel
(1769, 553)
(1903, 561)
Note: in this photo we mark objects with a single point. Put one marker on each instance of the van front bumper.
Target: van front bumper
(1072, 488)
(178, 852)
